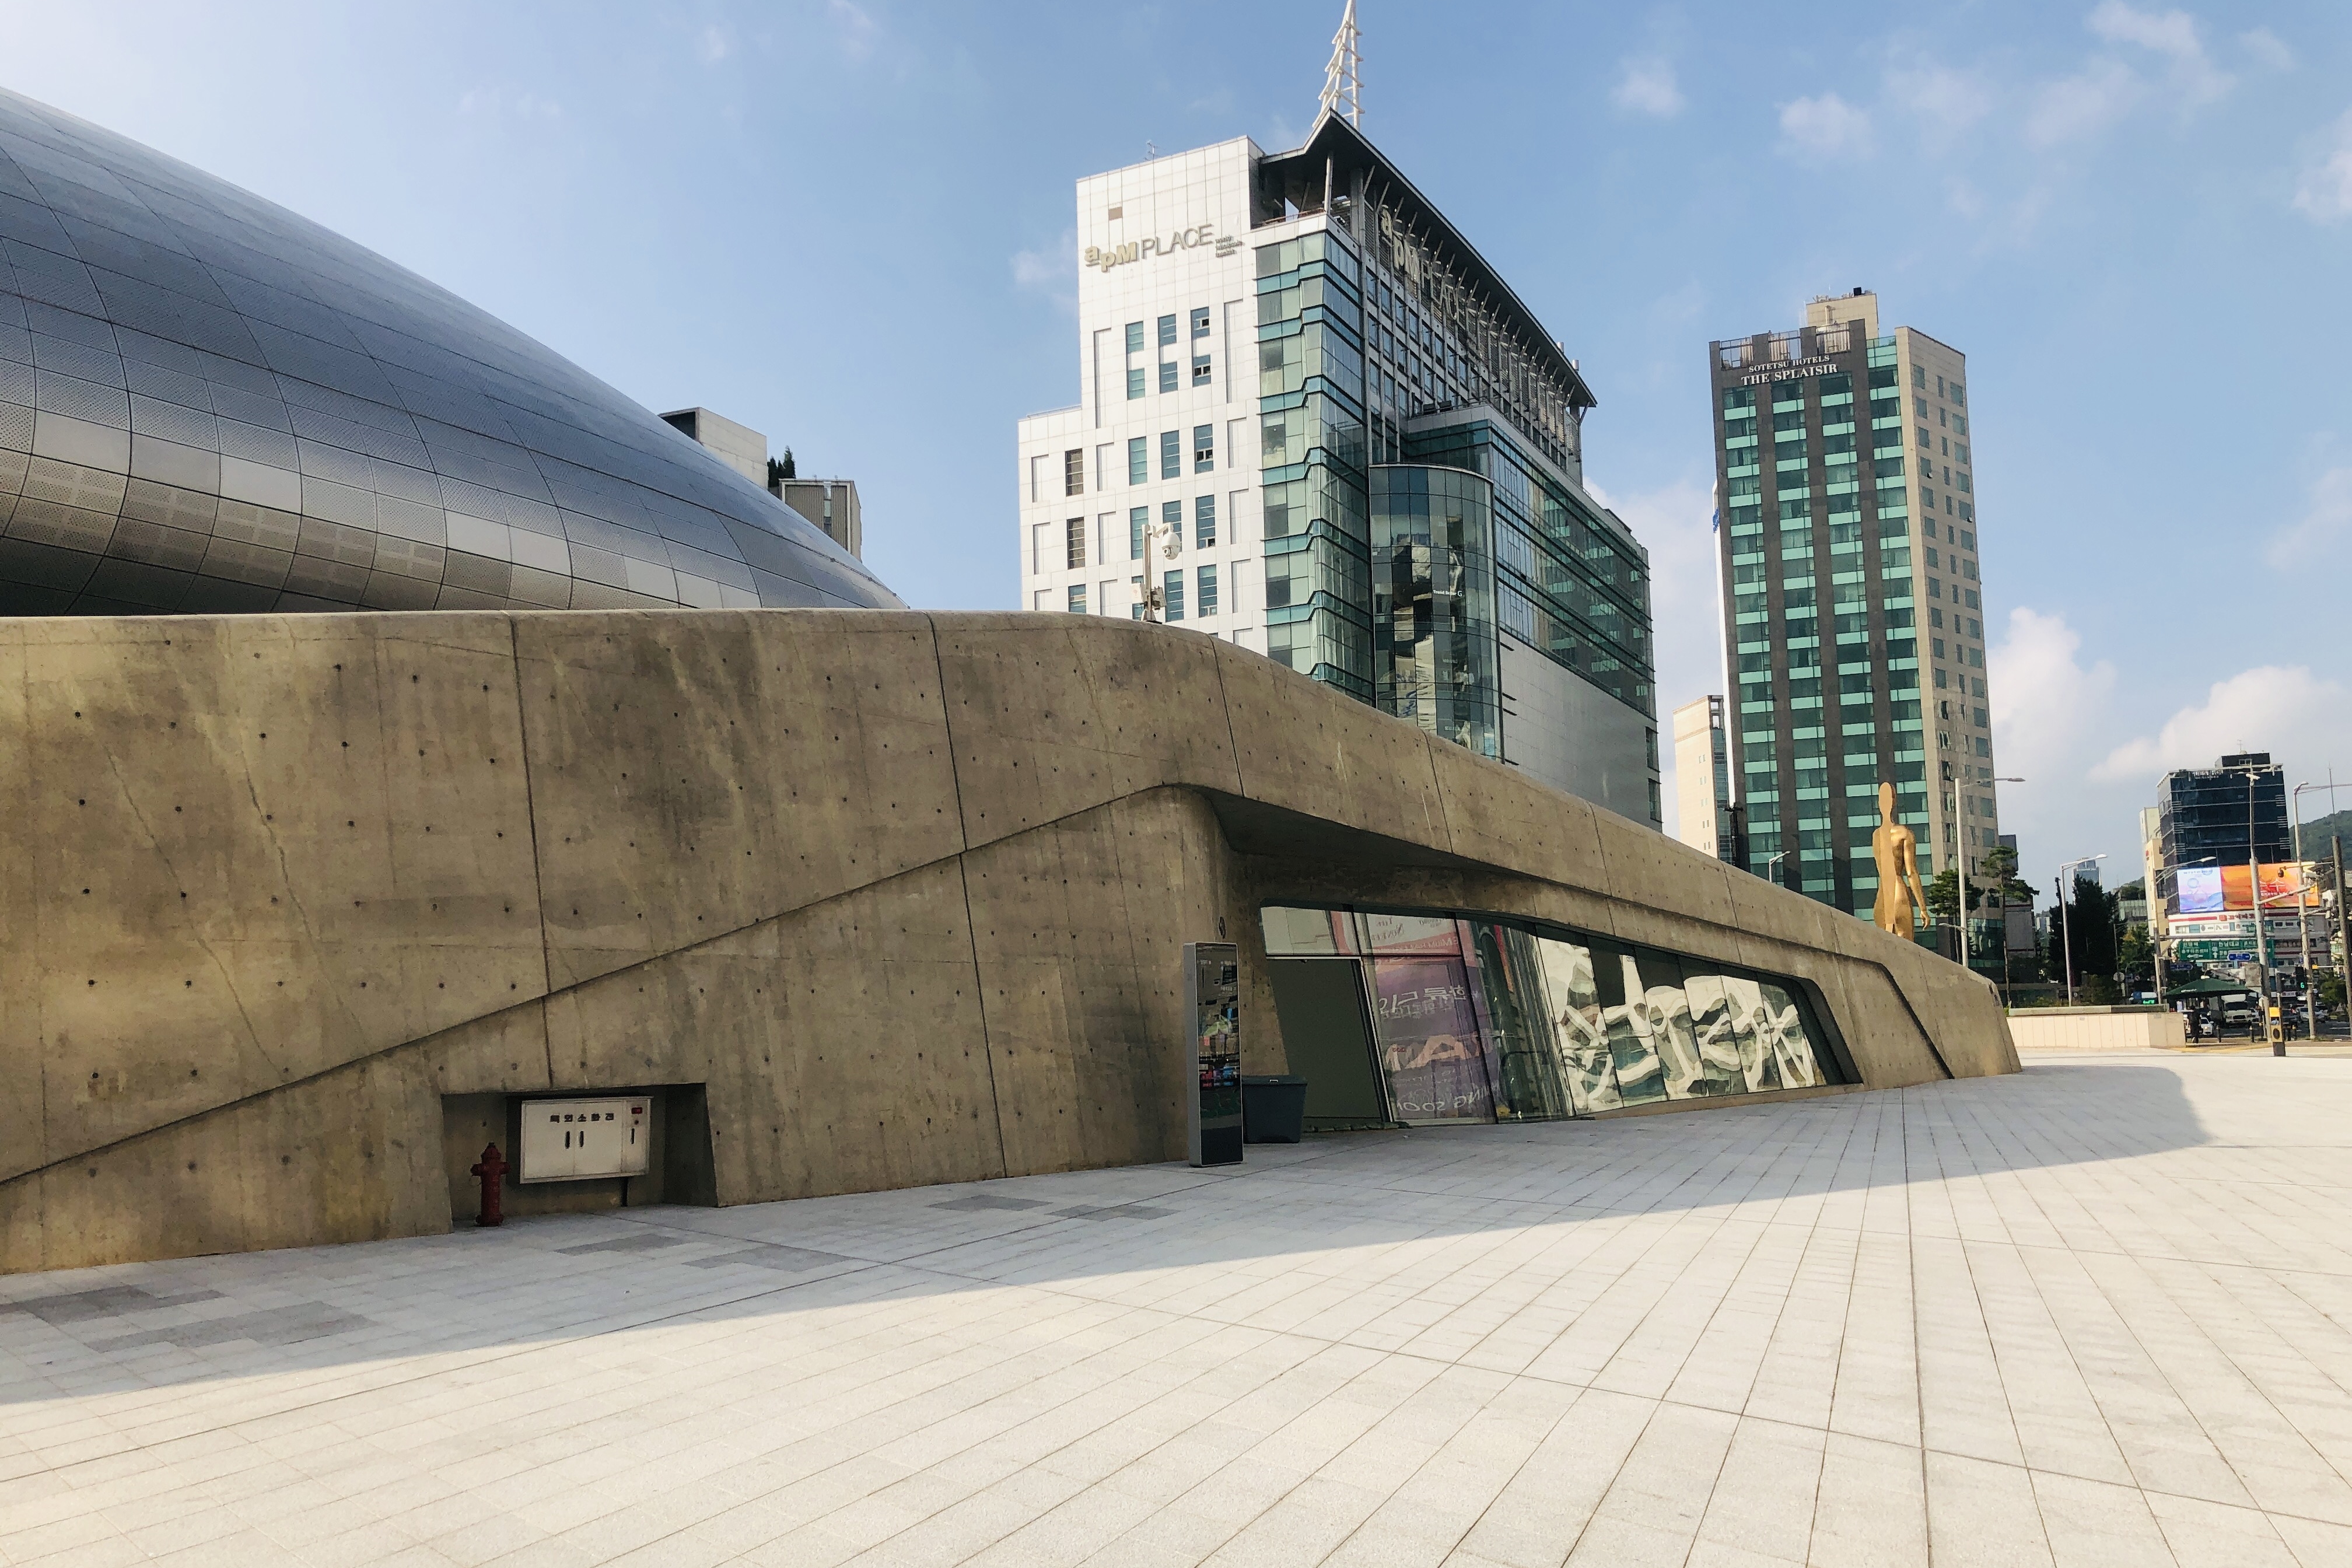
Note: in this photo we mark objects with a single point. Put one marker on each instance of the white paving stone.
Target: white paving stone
(2100, 1312)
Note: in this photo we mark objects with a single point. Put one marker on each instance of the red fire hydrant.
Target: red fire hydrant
(492, 1170)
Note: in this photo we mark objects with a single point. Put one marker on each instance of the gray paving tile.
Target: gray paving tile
(2098, 1313)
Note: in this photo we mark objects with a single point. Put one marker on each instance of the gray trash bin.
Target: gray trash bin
(1274, 1110)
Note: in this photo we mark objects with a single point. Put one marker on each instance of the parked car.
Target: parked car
(2237, 1011)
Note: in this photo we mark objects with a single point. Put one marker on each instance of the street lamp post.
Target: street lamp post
(1770, 874)
(2065, 928)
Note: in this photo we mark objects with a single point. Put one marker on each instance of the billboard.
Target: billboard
(2200, 889)
(2208, 890)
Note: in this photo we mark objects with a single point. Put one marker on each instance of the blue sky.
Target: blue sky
(847, 223)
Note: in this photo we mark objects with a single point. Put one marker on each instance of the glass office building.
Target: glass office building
(2228, 815)
(1852, 614)
(209, 405)
(1434, 1017)
(1384, 442)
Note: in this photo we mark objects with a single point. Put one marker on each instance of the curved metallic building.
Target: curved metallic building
(209, 405)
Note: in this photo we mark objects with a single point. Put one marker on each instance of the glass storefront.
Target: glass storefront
(1477, 1020)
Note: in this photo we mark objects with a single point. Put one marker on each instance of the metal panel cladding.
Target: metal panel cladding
(209, 405)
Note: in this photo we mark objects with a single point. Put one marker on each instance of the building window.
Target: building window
(1073, 471)
(1171, 451)
(1201, 321)
(1205, 523)
(1919, 375)
(1135, 337)
(1204, 448)
(1201, 375)
(1139, 381)
(1078, 598)
(1959, 394)
(1208, 594)
(1171, 518)
(1075, 543)
(1167, 375)
(1038, 600)
(1167, 330)
(1138, 460)
(1139, 520)
(1135, 611)
(1171, 595)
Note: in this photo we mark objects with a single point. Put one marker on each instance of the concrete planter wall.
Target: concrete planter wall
(2097, 1028)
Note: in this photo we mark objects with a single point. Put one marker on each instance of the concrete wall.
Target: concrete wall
(2096, 1029)
(904, 892)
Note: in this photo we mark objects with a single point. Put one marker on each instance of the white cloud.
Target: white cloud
(2263, 709)
(856, 27)
(1646, 86)
(2172, 34)
(2267, 49)
(2326, 520)
(1946, 101)
(2044, 701)
(2325, 191)
(2082, 105)
(1052, 271)
(497, 103)
(1825, 127)
(713, 44)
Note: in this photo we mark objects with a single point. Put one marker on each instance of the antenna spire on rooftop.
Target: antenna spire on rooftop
(1343, 78)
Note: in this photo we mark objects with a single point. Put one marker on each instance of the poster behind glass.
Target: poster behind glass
(1212, 1004)
(1429, 1044)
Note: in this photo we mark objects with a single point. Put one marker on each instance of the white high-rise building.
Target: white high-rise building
(1318, 424)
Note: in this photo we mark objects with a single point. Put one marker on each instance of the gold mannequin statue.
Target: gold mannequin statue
(1896, 850)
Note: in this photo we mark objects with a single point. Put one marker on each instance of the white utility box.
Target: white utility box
(567, 1140)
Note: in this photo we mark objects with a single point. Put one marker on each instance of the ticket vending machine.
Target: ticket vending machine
(1212, 1007)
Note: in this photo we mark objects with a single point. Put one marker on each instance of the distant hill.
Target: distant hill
(2315, 834)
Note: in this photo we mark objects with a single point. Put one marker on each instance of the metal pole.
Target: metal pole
(1960, 867)
(2066, 935)
(2254, 886)
(2343, 918)
(2302, 922)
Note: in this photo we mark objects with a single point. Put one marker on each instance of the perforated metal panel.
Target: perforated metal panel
(209, 405)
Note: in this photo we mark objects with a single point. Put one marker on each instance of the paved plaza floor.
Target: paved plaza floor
(2100, 1312)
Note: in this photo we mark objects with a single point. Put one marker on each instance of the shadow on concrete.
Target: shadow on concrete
(482, 1295)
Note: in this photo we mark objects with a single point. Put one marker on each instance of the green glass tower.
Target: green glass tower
(1852, 609)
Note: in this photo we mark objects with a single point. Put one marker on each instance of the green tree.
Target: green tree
(1943, 890)
(2136, 954)
(2000, 863)
(2091, 930)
